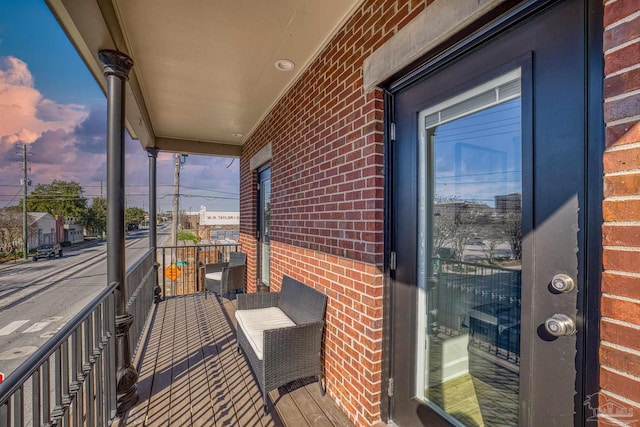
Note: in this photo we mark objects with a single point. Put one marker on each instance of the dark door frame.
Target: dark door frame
(587, 381)
(262, 170)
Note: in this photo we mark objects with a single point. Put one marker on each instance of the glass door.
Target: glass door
(488, 225)
(264, 228)
(469, 253)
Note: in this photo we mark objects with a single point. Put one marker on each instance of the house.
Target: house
(350, 119)
(73, 232)
(44, 229)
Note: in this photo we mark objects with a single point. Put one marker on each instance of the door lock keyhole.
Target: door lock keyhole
(560, 325)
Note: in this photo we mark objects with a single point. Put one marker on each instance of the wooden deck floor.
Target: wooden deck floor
(190, 374)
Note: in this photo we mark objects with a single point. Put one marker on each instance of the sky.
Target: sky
(479, 156)
(50, 101)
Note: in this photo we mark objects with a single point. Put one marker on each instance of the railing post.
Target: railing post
(116, 67)
(153, 229)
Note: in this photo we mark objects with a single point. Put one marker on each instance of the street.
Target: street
(38, 298)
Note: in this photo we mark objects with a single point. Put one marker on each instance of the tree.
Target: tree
(133, 216)
(493, 234)
(97, 215)
(59, 198)
(11, 229)
(455, 222)
(187, 235)
(513, 232)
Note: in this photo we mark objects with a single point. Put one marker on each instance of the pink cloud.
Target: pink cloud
(68, 142)
(25, 113)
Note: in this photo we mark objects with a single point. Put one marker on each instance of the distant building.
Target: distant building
(218, 227)
(509, 203)
(219, 218)
(44, 226)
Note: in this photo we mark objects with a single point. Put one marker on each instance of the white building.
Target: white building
(46, 229)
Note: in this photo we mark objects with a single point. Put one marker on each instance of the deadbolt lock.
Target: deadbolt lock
(563, 283)
(560, 325)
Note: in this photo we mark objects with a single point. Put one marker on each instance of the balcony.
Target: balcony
(189, 370)
(190, 373)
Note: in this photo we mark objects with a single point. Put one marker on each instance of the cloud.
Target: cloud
(25, 113)
(91, 132)
(45, 125)
(68, 142)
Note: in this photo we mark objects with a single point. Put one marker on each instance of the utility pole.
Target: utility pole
(25, 222)
(176, 198)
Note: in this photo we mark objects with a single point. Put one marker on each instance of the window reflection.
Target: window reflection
(470, 253)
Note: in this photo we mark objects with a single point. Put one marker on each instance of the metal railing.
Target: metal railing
(71, 380)
(480, 299)
(141, 280)
(181, 270)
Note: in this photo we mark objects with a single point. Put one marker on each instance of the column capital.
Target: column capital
(152, 152)
(115, 63)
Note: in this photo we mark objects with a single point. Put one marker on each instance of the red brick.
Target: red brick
(615, 235)
(622, 33)
(622, 83)
(619, 360)
(618, 10)
(625, 107)
(621, 210)
(624, 133)
(605, 414)
(621, 285)
(620, 385)
(623, 310)
(622, 160)
(621, 335)
(622, 185)
(622, 58)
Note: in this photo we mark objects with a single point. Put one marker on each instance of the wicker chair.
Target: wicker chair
(283, 336)
(224, 277)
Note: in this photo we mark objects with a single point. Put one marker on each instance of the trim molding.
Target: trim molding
(439, 21)
(261, 157)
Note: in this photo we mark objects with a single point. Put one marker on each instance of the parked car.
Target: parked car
(475, 241)
(48, 251)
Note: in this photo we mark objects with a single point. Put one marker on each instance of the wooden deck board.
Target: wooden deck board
(201, 411)
(180, 408)
(190, 374)
(160, 396)
(309, 408)
(147, 370)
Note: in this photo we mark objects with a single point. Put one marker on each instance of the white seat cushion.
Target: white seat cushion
(255, 322)
(214, 276)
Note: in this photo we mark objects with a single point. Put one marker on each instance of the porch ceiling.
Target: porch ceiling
(204, 71)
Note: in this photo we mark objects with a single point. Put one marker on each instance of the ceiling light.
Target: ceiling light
(237, 134)
(285, 65)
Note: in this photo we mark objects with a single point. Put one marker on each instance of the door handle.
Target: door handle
(560, 325)
(563, 283)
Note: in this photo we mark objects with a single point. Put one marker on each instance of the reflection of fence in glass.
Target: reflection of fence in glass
(480, 300)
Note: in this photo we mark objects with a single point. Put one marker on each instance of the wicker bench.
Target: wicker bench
(281, 334)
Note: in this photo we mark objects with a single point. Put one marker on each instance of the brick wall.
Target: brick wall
(353, 333)
(620, 323)
(327, 199)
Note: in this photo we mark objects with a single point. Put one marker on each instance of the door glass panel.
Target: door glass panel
(469, 254)
(265, 226)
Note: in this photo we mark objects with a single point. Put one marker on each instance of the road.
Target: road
(38, 298)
